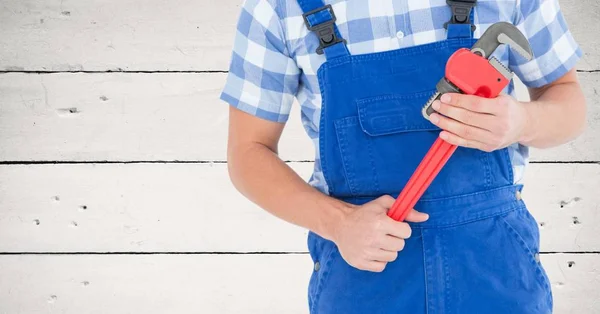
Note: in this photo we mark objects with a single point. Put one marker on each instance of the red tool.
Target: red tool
(471, 72)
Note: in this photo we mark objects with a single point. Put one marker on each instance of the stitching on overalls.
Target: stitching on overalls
(508, 164)
(323, 129)
(447, 284)
(373, 168)
(326, 269)
(527, 251)
(342, 146)
(425, 271)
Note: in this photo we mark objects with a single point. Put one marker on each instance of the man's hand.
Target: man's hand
(368, 238)
(477, 122)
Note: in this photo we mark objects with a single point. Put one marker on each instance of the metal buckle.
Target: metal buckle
(461, 12)
(325, 31)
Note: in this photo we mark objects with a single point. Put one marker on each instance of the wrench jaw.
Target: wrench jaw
(502, 33)
(443, 86)
(501, 68)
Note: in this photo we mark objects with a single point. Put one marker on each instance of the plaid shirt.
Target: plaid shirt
(271, 64)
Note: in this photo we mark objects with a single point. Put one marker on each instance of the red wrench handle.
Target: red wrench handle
(437, 156)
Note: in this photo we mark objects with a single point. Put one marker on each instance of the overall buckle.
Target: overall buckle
(324, 30)
(461, 12)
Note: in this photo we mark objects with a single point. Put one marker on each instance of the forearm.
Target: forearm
(555, 116)
(260, 175)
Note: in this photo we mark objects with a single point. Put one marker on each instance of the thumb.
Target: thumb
(415, 216)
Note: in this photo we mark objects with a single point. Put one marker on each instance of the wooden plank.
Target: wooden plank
(90, 284)
(564, 200)
(124, 116)
(102, 35)
(135, 207)
(582, 18)
(223, 284)
(163, 35)
(194, 208)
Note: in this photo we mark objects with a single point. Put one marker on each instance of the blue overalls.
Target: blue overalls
(478, 252)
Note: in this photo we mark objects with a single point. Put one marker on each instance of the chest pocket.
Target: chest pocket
(384, 143)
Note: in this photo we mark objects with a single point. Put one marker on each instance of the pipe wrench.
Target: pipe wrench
(471, 72)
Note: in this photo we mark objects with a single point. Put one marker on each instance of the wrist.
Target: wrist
(528, 132)
(334, 213)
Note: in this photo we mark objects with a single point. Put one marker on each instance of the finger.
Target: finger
(459, 141)
(397, 229)
(461, 129)
(471, 103)
(416, 216)
(386, 201)
(391, 243)
(385, 256)
(481, 120)
(374, 266)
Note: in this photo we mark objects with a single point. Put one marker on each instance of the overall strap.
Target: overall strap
(461, 24)
(320, 19)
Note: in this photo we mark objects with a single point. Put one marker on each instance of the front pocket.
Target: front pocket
(492, 268)
(523, 227)
(384, 143)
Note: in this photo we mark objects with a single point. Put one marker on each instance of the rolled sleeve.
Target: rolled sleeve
(263, 79)
(554, 48)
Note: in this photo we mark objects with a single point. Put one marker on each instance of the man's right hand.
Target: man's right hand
(368, 238)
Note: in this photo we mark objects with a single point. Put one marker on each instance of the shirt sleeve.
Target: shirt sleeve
(554, 48)
(263, 79)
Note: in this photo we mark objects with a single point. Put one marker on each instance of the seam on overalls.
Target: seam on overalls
(425, 272)
(363, 104)
(373, 168)
(511, 175)
(528, 252)
(322, 129)
(410, 51)
(361, 111)
(447, 285)
(447, 198)
(326, 269)
(342, 145)
(353, 78)
(474, 219)
(485, 159)
(427, 252)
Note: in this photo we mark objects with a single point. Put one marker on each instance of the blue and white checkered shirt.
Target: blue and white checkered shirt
(271, 64)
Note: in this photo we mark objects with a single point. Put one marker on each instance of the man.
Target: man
(472, 246)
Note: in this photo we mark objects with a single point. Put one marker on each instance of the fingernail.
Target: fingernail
(443, 135)
(446, 98)
(434, 118)
(436, 105)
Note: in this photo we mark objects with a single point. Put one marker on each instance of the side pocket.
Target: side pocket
(321, 252)
(523, 227)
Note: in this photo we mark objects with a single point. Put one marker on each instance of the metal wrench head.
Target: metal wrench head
(502, 33)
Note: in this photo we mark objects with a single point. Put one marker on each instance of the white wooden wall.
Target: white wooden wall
(114, 196)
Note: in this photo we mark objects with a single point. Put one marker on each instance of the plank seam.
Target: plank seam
(75, 162)
(219, 253)
(153, 253)
(44, 162)
(112, 71)
(119, 70)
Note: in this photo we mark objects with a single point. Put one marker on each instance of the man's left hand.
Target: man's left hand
(481, 123)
